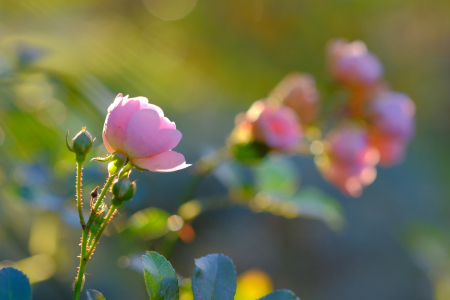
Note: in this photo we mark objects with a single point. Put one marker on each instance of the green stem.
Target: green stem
(79, 281)
(84, 257)
(111, 212)
(99, 200)
(79, 203)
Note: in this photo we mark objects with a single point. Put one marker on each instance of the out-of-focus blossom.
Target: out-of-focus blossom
(392, 113)
(299, 92)
(391, 116)
(352, 64)
(277, 126)
(140, 131)
(349, 162)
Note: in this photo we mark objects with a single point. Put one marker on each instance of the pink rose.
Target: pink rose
(392, 113)
(299, 92)
(351, 160)
(277, 126)
(141, 132)
(392, 125)
(352, 64)
(392, 150)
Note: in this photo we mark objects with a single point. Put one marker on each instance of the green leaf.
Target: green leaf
(94, 295)
(160, 278)
(14, 285)
(280, 295)
(214, 278)
(277, 177)
(149, 223)
(313, 203)
(250, 152)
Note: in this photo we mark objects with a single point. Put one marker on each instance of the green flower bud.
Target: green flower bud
(118, 161)
(81, 144)
(123, 189)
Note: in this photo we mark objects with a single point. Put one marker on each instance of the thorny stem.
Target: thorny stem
(99, 200)
(111, 212)
(84, 257)
(79, 280)
(79, 203)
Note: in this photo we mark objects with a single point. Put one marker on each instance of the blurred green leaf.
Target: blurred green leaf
(313, 203)
(160, 278)
(14, 285)
(280, 295)
(214, 278)
(150, 223)
(277, 177)
(94, 295)
(250, 152)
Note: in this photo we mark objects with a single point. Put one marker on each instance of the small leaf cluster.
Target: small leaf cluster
(214, 278)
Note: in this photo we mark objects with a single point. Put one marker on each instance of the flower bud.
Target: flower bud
(118, 161)
(123, 190)
(81, 144)
(352, 64)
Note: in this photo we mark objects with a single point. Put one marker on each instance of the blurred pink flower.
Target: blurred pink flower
(139, 130)
(392, 150)
(352, 64)
(277, 126)
(392, 125)
(350, 163)
(392, 113)
(299, 92)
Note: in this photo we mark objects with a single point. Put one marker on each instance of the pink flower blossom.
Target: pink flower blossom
(141, 132)
(392, 113)
(277, 126)
(299, 92)
(391, 116)
(392, 150)
(351, 162)
(352, 64)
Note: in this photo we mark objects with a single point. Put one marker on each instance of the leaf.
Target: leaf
(94, 295)
(160, 278)
(277, 177)
(281, 295)
(214, 278)
(314, 203)
(149, 223)
(14, 285)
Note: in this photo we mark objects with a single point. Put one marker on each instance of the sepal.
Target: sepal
(103, 159)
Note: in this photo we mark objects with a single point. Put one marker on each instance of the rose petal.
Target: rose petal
(107, 145)
(141, 130)
(117, 121)
(166, 123)
(116, 102)
(146, 105)
(169, 161)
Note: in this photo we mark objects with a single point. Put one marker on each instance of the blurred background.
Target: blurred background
(63, 62)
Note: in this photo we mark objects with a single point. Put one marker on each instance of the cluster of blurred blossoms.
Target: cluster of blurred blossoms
(374, 124)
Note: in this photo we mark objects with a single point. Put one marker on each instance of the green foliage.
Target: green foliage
(14, 285)
(150, 223)
(160, 278)
(214, 278)
(314, 203)
(280, 295)
(277, 177)
(94, 295)
(250, 152)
